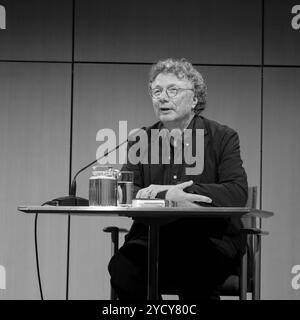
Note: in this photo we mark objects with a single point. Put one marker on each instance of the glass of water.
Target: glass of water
(125, 188)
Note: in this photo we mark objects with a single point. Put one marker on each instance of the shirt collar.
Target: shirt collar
(197, 122)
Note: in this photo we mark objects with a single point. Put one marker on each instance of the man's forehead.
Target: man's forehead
(166, 79)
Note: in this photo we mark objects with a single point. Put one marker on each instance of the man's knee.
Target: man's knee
(119, 268)
(127, 278)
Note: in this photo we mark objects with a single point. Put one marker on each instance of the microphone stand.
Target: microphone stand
(72, 199)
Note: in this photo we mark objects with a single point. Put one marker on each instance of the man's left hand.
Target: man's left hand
(176, 193)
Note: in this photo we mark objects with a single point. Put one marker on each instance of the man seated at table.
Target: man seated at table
(195, 255)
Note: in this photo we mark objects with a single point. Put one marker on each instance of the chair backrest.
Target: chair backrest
(250, 222)
(231, 285)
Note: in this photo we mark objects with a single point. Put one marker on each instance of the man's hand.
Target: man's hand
(176, 193)
(151, 191)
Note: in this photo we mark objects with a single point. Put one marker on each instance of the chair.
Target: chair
(247, 278)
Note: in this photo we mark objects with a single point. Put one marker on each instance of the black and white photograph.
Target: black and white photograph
(149, 151)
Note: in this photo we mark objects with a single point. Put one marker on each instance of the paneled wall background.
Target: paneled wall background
(70, 68)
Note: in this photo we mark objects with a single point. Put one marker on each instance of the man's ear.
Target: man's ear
(195, 101)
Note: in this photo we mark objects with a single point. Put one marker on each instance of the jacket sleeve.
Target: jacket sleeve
(231, 189)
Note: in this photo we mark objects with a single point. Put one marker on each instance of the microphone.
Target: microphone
(72, 199)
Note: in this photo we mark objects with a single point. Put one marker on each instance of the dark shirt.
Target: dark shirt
(223, 179)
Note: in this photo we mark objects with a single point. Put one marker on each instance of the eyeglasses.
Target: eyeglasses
(171, 91)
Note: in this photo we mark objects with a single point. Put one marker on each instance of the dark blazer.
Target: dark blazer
(223, 179)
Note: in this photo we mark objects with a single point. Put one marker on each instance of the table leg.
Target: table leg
(153, 261)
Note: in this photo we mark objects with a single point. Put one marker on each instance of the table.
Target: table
(153, 217)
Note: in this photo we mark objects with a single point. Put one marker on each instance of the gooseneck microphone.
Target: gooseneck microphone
(72, 199)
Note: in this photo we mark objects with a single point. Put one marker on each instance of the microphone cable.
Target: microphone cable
(37, 253)
(37, 256)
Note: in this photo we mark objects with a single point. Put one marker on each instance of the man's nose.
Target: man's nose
(164, 96)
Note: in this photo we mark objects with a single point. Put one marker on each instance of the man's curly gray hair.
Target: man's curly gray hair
(182, 69)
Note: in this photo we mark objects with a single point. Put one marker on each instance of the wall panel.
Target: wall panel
(141, 31)
(281, 177)
(282, 40)
(37, 30)
(34, 133)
